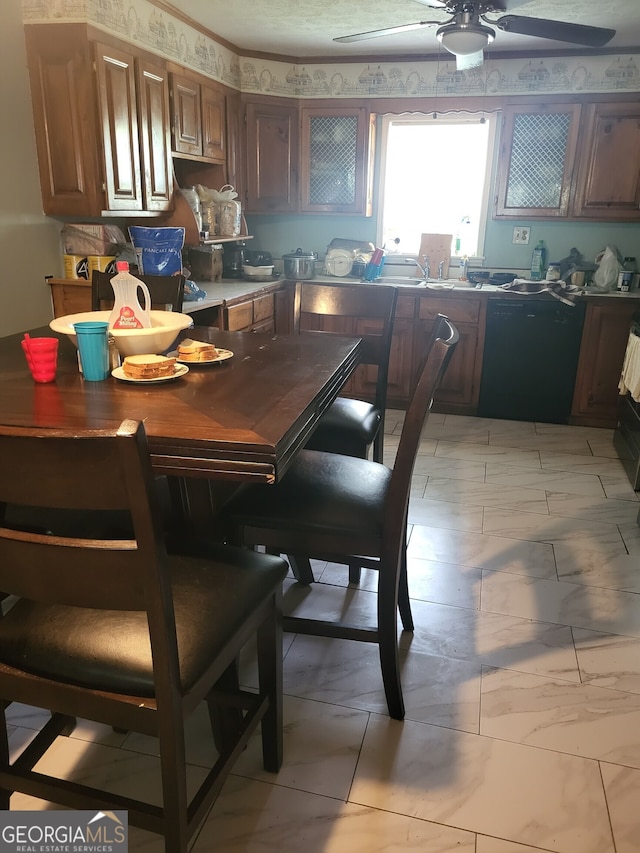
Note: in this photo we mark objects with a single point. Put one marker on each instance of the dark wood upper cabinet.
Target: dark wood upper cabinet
(65, 116)
(235, 157)
(536, 160)
(272, 157)
(102, 121)
(608, 185)
(570, 160)
(199, 118)
(155, 140)
(308, 159)
(336, 160)
(213, 123)
(186, 132)
(119, 117)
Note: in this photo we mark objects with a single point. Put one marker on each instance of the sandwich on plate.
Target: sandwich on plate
(189, 350)
(148, 366)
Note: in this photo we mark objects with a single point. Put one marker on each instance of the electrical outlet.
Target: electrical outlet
(521, 235)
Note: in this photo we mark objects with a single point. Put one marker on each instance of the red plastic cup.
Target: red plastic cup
(42, 357)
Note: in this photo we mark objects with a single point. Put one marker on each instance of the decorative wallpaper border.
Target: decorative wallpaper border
(141, 23)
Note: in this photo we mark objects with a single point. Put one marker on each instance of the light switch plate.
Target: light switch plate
(521, 235)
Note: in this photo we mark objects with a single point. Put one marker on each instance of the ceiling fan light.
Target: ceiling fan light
(462, 39)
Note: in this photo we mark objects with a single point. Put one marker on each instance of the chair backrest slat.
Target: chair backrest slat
(364, 310)
(166, 291)
(81, 477)
(440, 349)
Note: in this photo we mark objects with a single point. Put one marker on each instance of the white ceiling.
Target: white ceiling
(305, 28)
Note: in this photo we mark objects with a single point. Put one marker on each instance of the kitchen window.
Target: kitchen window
(434, 179)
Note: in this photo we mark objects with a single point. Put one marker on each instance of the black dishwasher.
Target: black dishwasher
(530, 358)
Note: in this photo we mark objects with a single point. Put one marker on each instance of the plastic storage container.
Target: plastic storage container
(627, 275)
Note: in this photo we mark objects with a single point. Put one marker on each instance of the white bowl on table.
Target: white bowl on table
(165, 328)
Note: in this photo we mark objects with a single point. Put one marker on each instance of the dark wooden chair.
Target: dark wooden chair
(337, 508)
(351, 426)
(119, 632)
(166, 291)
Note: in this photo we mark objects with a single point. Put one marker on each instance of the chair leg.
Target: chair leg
(355, 573)
(226, 721)
(388, 642)
(270, 673)
(404, 604)
(5, 795)
(390, 666)
(174, 781)
(301, 567)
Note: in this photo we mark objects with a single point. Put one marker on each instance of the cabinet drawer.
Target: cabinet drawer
(239, 316)
(263, 307)
(457, 309)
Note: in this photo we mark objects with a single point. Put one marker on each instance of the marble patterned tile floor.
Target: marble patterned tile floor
(521, 680)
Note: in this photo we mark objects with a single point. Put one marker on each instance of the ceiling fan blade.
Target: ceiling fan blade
(404, 28)
(556, 30)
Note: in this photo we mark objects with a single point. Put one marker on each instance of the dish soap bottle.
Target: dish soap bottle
(538, 261)
(127, 311)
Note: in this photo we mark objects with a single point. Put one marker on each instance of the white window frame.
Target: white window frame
(458, 115)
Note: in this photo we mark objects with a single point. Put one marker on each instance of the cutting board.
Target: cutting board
(437, 247)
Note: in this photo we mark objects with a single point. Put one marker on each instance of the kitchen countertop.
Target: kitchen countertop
(233, 288)
(225, 290)
(491, 289)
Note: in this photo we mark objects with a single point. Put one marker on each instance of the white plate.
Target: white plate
(223, 355)
(119, 373)
(338, 262)
(434, 285)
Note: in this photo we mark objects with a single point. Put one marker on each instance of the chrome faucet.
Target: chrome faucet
(424, 267)
(440, 270)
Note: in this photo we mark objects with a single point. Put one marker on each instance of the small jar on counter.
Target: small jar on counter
(553, 271)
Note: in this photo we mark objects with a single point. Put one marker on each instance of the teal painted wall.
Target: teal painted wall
(281, 234)
(559, 237)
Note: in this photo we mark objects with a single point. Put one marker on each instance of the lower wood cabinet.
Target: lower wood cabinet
(604, 340)
(596, 399)
(415, 318)
(253, 314)
(460, 387)
(401, 361)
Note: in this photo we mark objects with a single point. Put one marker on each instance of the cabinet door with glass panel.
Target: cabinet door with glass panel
(536, 162)
(336, 161)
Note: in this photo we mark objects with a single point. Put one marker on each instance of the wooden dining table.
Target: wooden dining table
(239, 420)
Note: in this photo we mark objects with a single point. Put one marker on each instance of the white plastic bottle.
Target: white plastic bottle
(127, 311)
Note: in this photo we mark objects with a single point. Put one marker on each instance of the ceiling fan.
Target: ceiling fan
(466, 34)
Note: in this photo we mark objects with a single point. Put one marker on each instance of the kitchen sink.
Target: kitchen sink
(527, 287)
(402, 280)
(432, 283)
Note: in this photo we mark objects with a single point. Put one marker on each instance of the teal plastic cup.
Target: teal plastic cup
(93, 345)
